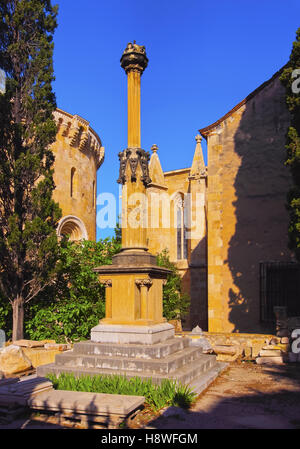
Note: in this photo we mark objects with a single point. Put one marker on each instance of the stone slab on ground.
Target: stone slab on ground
(31, 343)
(82, 403)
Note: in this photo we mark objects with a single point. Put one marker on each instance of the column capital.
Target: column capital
(134, 156)
(143, 282)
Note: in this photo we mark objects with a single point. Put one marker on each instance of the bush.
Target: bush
(168, 393)
(70, 308)
(175, 303)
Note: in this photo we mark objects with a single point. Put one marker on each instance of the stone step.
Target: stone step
(200, 383)
(185, 374)
(167, 365)
(155, 351)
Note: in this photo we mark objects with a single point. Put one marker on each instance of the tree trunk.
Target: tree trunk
(18, 318)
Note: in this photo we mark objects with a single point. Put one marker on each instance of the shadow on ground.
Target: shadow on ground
(268, 400)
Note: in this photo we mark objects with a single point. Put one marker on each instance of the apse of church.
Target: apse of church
(78, 155)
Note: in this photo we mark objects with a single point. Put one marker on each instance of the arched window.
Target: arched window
(73, 183)
(73, 227)
(181, 229)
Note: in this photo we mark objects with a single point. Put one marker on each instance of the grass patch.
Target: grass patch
(168, 393)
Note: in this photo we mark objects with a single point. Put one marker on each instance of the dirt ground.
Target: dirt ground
(245, 396)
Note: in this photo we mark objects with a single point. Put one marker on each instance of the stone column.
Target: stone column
(134, 310)
(134, 173)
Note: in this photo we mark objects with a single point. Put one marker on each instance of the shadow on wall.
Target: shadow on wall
(194, 283)
(260, 187)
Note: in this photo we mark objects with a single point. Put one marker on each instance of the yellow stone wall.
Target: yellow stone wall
(78, 154)
(184, 184)
(247, 218)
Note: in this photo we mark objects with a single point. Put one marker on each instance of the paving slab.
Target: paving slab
(86, 403)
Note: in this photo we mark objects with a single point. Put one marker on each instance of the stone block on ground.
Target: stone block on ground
(40, 356)
(13, 360)
(279, 360)
(270, 353)
(227, 357)
(226, 349)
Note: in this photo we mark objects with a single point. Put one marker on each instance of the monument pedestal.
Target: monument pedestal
(144, 335)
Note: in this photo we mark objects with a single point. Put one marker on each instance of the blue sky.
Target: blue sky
(204, 58)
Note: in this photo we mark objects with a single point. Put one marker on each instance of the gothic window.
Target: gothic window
(181, 230)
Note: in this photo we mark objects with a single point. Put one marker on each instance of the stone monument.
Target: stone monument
(134, 282)
(134, 338)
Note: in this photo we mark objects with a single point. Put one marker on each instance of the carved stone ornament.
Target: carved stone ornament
(107, 283)
(143, 282)
(134, 156)
(134, 58)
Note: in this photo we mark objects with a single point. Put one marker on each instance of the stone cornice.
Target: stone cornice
(79, 134)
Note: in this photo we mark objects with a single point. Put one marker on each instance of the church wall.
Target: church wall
(247, 218)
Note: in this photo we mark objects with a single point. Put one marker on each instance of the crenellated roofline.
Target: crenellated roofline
(80, 134)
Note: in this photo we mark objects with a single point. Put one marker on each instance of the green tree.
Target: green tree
(291, 80)
(28, 219)
(176, 303)
(69, 309)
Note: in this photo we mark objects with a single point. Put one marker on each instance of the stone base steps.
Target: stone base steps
(155, 351)
(167, 365)
(185, 374)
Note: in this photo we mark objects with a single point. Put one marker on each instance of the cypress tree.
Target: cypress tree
(291, 80)
(28, 215)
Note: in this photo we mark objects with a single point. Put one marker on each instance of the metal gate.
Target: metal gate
(279, 286)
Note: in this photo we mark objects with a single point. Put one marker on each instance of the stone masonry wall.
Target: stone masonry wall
(247, 218)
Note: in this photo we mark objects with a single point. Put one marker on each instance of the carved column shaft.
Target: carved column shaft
(144, 285)
(108, 297)
(134, 106)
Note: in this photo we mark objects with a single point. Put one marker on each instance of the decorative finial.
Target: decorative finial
(154, 148)
(198, 138)
(134, 58)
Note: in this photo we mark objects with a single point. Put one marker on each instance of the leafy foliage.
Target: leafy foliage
(175, 302)
(74, 305)
(168, 393)
(28, 241)
(293, 144)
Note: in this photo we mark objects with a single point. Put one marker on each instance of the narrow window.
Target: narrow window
(179, 232)
(94, 194)
(72, 184)
(181, 229)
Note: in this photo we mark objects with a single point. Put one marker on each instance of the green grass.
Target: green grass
(168, 393)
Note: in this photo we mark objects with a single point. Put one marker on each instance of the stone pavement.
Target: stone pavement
(246, 396)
